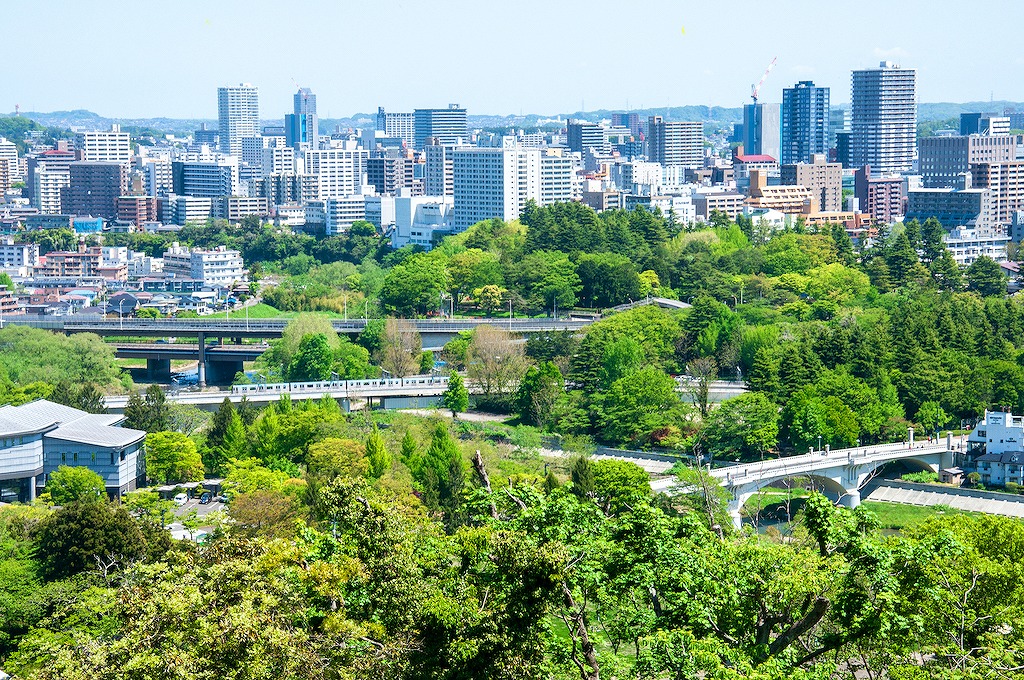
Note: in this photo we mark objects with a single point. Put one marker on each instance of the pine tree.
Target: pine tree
(409, 454)
(456, 397)
(135, 412)
(946, 272)
(551, 482)
(220, 424)
(91, 399)
(582, 477)
(157, 411)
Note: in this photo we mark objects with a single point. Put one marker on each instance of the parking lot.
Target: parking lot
(194, 504)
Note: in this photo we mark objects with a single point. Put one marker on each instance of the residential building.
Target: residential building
(158, 177)
(338, 171)
(9, 305)
(603, 200)
(14, 255)
(787, 199)
(94, 187)
(301, 127)
(110, 146)
(438, 172)
(943, 159)
(582, 135)
(762, 130)
(38, 437)
(628, 120)
(880, 197)
(883, 129)
(967, 244)
(675, 143)
(206, 137)
(805, 122)
(214, 267)
(995, 449)
(234, 208)
(494, 182)
(206, 176)
(558, 176)
(388, 174)
(187, 210)
(1006, 182)
(137, 209)
(448, 126)
(278, 160)
(82, 262)
(238, 112)
(48, 173)
(824, 179)
(742, 164)
(10, 166)
(727, 202)
(397, 125)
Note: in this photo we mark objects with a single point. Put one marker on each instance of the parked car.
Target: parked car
(220, 499)
(205, 498)
(180, 499)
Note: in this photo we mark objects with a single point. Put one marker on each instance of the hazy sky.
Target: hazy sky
(149, 58)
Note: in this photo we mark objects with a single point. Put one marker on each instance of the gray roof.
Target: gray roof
(68, 424)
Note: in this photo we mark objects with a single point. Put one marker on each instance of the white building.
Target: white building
(966, 244)
(14, 254)
(207, 177)
(47, 189)
(9, 157)
(110, 146)
(380, 210)
(187, 209)
(158, 178)
(339, 171)
(995, 449)
(494, 182)
(438, 171)
(216, 267)
(341, 212)
(558, 176)
(238, 111)
(419, 218)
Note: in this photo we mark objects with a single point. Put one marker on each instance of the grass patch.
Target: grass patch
(899, 516)
(259, 311)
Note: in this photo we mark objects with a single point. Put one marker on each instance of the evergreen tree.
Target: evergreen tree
(135, 412)
(456, 397)
(91, 399)
(932, 244)
(409, 452)
(157, 410)
(220, 423)
(582, 476)
(986, 278)
(901, 257)
(247, 411)
(946, 272)
(377, 454)
(844, 244)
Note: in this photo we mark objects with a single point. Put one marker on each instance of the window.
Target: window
(63, 457)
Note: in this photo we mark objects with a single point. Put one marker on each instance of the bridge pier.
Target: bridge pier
(158, 370)
(201, 368)
(850, 499)
(222, 372)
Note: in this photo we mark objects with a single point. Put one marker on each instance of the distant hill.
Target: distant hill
(711, 115)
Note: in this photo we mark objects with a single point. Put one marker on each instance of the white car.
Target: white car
(180, 499)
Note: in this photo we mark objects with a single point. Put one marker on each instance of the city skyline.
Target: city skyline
(691, 56)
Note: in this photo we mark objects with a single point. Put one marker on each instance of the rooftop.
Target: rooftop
(67, 424)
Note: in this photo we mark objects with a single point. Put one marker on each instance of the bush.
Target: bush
(923, 477)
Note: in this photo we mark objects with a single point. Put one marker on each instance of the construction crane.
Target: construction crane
(754, 89)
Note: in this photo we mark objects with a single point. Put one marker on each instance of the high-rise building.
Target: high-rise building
(438, 172)
(883, 128)
(206, 177)
(675, 143)
(238, 111)
(824, 179)
(110, 146)
(629, 120)
(805, 122)
(94, 188)
(557, 176)
(301, 126)
(762, 130)
(582, 135)
(494, 182)
(339, 171)
(397, 125)
(984, 124)
(1006, 182)
(9, 159)
(447, 125)
(48, 174)
(943, 159)
(880, 197)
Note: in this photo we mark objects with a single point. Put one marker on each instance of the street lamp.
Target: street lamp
(510, 313)
(819, 442)
(120, 314)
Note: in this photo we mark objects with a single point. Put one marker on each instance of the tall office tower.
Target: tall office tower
(397, 125)
(838, 121)
(110, 146)
(984, 124)
(447, 125)
(238, 110)
(678, 143)
(805, 122)
(494, 182)
(438, 169)
(301, 126)
(883, 130)
(582, 135)
(762, 130)
(94, 188)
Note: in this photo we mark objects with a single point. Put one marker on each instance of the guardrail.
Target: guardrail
(339, 385)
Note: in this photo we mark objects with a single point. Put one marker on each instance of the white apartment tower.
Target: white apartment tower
(494, 182)
(883, 131)
(110, 146)
(238, 111)
(339, 171)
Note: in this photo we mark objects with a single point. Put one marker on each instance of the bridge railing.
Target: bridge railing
(341, 385)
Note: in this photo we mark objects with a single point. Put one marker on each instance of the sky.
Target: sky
(166, 59)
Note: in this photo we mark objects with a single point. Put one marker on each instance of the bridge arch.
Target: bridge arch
(866, 472)
(831, 487)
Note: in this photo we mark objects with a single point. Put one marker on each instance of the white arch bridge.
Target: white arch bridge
(839, 473)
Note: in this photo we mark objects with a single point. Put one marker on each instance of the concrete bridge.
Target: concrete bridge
(839, 474)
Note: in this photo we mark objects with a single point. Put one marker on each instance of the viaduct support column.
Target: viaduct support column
(202, 360)
(851, 499)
